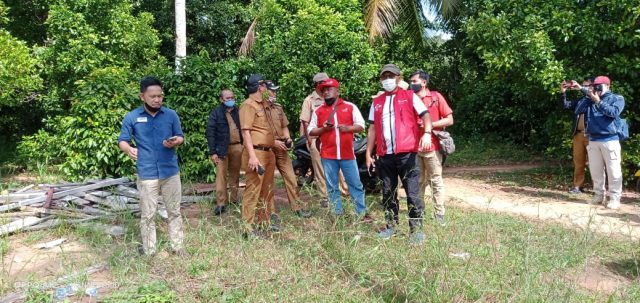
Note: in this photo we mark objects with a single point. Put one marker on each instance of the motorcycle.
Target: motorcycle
(303, 167)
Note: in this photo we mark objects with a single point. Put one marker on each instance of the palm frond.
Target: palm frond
(249, 39)
(380, 17)
(444, 9)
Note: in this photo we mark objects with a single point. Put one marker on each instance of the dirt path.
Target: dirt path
(542, 204)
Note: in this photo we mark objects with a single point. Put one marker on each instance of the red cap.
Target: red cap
(330, 82)
(602, 80)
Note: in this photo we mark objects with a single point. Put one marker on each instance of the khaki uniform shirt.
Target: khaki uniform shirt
(253, 117)
(310, 104)
(280, 121)
(234, 134)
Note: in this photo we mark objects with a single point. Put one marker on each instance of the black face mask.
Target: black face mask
(151, 109)
(330, 101)
(416, 87)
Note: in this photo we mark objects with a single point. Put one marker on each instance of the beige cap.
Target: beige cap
(320, 77)
(392, 68)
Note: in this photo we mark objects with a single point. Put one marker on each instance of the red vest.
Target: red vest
(407, 137)
(334, 141)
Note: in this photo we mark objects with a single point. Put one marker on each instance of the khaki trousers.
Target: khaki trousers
(604, 160)
(171, 191)
(580, 158)
(228, 174)
(285, 167)
(259, 189)
(318, 171)
(431, 177)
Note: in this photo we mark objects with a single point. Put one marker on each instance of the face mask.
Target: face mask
(272, 99)
(229, 103)
(330, 101)
(389, 84)
(416, 87)
(151, 109)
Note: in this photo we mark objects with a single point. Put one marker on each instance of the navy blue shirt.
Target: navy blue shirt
(154, 160)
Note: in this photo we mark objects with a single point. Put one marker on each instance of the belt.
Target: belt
(262, 148)
(235, 143)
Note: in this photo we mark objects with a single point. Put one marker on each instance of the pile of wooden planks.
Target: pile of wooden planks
(43, 206)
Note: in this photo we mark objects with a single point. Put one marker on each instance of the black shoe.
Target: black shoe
(275, 223)
(303, 213)
(219, 210)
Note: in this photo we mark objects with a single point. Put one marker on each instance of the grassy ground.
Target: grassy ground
(321, 260)
(489, 150)
(478, 256)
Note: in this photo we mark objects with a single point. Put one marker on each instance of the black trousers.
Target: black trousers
(403, 165)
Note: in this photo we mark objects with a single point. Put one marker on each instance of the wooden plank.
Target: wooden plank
(19, 224)
(127, 191)
(76, 200)
(26, 188)
(85, 188)
(100, 193)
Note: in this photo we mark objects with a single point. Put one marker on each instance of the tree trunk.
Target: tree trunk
(181, 33)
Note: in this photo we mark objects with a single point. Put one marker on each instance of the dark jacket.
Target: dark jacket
(601, 118)
(578, 107)
(217, 132)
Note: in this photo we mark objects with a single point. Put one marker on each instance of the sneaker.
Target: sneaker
(303, 213)
(367, 219)
(324, 203)
(440, 220)
(597, 199)
(219, 210)
(275, 223)
(417, 238)
(386, 233)
(613, 204)
(575, 190)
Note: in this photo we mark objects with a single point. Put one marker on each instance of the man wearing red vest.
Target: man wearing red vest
(334, 123)
(430, 160)
(397, 136)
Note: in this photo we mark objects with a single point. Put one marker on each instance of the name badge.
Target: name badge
(142, 119)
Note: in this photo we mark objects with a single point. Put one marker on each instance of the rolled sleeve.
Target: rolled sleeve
(419, 106)
(371, 114)
(177, 126)
(126, 130)
(357, 117)
(313, 124)
(305, 114)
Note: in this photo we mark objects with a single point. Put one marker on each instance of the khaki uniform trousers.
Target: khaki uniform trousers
(228, 174)
(431, 176)
(580, 158)
(318, 170)
(259, 189)
(285, 167)
(171, 191)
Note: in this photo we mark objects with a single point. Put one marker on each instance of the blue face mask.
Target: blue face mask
(229, 103)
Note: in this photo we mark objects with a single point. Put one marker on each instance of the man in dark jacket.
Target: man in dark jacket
(604, 151)
(579, 137)
(225, 149)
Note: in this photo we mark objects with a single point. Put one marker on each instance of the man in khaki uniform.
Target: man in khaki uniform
(225, 149)
(283, 162)
(310, 104)
(257, 158)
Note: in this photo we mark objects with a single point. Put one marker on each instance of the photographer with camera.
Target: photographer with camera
(602, 127)
(284, 165)
(579, 138)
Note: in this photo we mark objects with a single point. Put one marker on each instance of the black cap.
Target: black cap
(254, 79)
(271, 85)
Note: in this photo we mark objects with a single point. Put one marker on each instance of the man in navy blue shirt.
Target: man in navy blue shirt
(156, 132)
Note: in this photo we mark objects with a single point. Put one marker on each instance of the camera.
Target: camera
(288, 143)
(597, 88)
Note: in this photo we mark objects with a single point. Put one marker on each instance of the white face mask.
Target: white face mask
(389, 84)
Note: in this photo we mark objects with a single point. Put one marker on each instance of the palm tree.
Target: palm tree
(381, 16)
